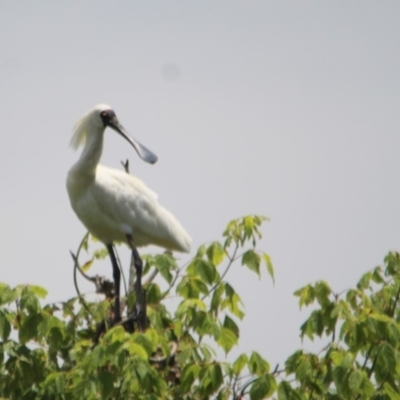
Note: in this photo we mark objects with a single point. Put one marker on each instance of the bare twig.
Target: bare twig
(81, 298)
(152, 276)
(126, 165)
(246, 385)
(172, 284)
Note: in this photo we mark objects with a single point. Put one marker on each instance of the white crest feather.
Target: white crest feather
(81, 128)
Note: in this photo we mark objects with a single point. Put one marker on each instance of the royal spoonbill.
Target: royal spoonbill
(115, 206)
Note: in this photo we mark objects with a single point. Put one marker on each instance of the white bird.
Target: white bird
(113, 205)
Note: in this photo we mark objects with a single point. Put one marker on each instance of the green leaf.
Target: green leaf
(55, 380)
(85, 267)
(304, 369)
(248, 223)
(201, 251)
(191, 287)
(262, 387)
(178, 328)
(147, 340)
(38, 291)
(231, 324)
(239, 364)
(232, 301)
(205, 269)
(348, 360)
(391, 392)
(355, 380)
(268, 263)
(29, 300)
(286, 392)
(100, 254)
(216, 253)
(216, 376)
(153, 294)
(232, 231)
(313, 325)
(322, 292)
(190, 303)
(364, 282)
(252, 261)
(189, 374)
(340, 376)
(55, 338)
(106, 380)
(210, 379)
(337, 357)
(216, 299)
(367, 388)
(165, 263)
(136, 349)
(377, 275)
(208, 353)
(257, 365)
(29, 327)
(5, 327)
(386, 360)
(292, 362)
(380, 317)
(306, 294)
(227, 339)
(6, 294)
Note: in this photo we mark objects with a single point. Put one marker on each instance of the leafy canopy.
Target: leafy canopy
(47, 351)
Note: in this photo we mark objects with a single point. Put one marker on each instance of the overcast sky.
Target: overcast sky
(288, 109)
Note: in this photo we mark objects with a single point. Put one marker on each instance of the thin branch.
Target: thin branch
(172, 284)
(75, 258)
(126, 165)
(234, 384)
(78, 267)
(275, 371)
(367, 356)
(246, 385)
(371, 370)
(373, 365)
(102, 284)
(152, 276)
(81, 298)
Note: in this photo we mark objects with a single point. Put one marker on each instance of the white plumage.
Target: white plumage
(111, 203)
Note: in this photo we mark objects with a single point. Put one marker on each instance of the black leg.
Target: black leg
(117, 280)
(140, 305)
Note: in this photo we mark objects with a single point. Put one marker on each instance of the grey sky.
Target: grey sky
(283, 108)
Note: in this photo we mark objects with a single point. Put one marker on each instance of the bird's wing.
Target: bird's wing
(125, 198)
(131, 207)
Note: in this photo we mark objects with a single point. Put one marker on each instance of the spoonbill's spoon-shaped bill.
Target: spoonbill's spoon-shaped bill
(110, 119)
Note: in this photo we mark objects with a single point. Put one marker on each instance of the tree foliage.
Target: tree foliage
(47, 351)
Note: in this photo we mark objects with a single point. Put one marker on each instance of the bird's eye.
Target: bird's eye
(104, 114)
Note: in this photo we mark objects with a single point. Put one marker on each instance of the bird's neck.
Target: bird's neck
(91, 154)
